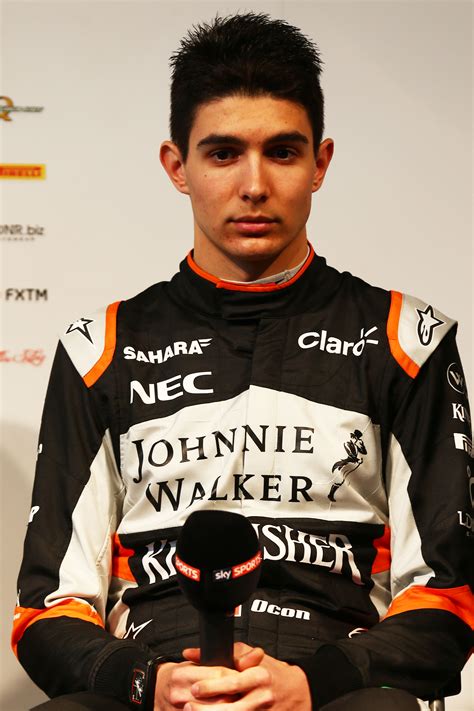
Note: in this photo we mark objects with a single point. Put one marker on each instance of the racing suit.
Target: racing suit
(331, 413)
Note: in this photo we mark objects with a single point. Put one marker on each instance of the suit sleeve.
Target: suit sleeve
(425, 638)
(59, 631)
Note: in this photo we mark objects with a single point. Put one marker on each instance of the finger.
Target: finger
(241, 648)
(254, 701)
(251, 658)
(232, 683)
(192, 654)
(186, 674)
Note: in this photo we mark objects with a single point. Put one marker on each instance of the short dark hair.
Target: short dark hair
(247, 54)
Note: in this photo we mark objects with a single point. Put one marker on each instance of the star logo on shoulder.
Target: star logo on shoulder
(82, 325)
(427, 323)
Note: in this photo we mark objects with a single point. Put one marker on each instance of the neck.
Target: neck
(262, 263)
(278, 277)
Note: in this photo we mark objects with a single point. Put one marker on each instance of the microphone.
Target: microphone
(218, 563)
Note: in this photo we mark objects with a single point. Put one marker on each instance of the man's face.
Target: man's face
(241, 165)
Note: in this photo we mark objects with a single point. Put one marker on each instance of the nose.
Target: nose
(254, 181)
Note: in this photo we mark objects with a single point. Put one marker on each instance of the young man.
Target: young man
(241, 384)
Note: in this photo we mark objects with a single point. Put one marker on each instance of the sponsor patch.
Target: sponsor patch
(456, 378)
(161, 355)
(168, 389)
(332, 552)
(462, 441)
(461, 413)
(354, 448)
(331, 344)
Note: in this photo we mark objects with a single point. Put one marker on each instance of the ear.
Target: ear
(172, 161)
(325, 154)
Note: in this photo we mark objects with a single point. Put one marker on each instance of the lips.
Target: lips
(253, 218)
(254, 224)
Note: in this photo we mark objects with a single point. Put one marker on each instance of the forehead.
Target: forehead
(252, 119)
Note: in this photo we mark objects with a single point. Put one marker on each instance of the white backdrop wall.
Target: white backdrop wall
(105, 222)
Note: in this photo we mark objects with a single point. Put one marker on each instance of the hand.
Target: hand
(258, 682)
(174, 682)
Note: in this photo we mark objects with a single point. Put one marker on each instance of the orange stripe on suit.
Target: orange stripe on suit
(459, 601)
(26, 616)
(109, 346)
(120, 565)
(383, 558)
(404, 360)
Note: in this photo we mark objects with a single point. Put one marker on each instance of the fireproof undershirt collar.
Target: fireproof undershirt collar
(279, 278)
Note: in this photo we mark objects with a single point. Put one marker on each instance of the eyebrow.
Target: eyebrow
(216, 139)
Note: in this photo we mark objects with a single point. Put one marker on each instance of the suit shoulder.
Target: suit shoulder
(414, 328)
(90, 342)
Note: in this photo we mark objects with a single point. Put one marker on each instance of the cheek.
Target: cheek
(299, 196)
(212, 194)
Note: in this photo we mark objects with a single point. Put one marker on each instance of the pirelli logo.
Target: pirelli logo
(22, 171)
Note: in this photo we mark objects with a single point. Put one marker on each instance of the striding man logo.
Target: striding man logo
(354, 447)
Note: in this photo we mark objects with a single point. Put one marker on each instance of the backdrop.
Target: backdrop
(89, 216)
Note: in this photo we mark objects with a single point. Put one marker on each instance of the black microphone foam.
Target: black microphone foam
(217, 560)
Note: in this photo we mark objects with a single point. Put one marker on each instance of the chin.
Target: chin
(256, 248)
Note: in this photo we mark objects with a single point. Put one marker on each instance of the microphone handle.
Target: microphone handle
(216, 633)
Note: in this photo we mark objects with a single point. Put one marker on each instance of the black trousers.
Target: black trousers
(362, 700)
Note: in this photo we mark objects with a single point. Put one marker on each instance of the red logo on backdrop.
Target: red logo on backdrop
(28, 356)
(248, 567)
(187, 570)
(23, 171)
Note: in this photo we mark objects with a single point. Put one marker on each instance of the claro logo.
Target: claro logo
(169, 389)
(331, 344)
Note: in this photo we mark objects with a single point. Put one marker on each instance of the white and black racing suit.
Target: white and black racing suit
(333, 414)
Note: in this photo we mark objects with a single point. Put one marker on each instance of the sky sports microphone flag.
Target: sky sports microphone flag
(218, 561)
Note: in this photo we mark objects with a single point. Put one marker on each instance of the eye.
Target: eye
(283, 149)
(219, 153)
